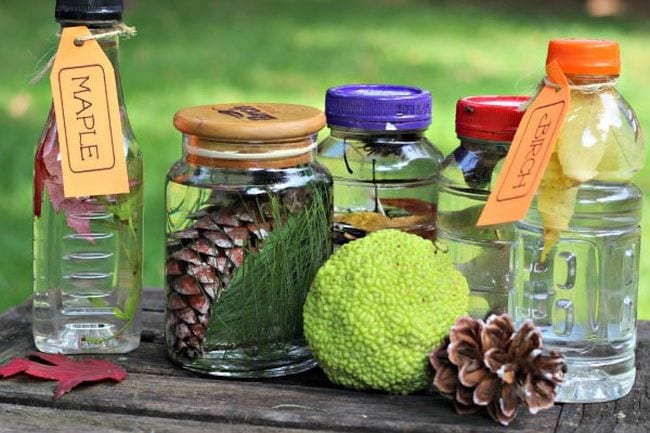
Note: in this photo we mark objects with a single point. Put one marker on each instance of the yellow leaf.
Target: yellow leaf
(582, 141)
(556, 201)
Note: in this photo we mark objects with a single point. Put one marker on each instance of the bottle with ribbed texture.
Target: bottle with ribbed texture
(579, 276)
(87, 250)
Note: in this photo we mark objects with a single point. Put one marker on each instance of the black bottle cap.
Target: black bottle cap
(89, 10)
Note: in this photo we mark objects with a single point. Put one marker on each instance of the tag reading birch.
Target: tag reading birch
(88, 118)
(529, 152)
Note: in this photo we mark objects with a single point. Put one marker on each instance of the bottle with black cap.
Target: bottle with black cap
(87, 250)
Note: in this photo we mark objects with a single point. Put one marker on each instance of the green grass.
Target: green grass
(201, 52)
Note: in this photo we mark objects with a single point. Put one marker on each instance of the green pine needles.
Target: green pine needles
(263, 303)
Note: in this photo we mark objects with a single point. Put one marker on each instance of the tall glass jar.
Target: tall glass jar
(87, 250)
(384, 168)
(249, 218)
(580, 240)
(486, 256)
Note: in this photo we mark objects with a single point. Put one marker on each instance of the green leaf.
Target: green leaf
(119, 313)
(98, 302)
(131, 304)
(177, 198)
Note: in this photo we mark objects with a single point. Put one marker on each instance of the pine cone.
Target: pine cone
(201, 262)
(489, 364)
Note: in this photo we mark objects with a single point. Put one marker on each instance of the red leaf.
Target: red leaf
(76, 206)
(47, 144)
(411, 205)
(17, 365)
(49, 174)
(67, 371)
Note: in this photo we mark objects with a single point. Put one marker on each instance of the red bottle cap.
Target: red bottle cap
(493, 118)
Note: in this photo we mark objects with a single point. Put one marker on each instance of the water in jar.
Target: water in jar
(240, 259)
(391, 179)
(486, 256)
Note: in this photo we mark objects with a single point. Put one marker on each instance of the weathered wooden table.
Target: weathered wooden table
(158, 397)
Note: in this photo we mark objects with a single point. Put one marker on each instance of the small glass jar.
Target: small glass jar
(249, 218)
(384, 168)
(486, 256)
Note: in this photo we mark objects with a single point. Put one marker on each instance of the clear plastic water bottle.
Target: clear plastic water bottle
(87, 250)
(485, 126)
(578, 280)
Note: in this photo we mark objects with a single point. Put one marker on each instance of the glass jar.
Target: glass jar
(384, 168)
(248, 225)
(87, 250)
(486, 256)
(581, 238)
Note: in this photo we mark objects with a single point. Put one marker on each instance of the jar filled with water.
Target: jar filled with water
(384, 168)
(248, 225)
(487, 256)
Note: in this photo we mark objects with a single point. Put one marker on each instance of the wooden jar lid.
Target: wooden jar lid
(250, 121)
(250, 135)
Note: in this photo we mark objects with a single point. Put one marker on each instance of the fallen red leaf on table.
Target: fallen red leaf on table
(67, 371)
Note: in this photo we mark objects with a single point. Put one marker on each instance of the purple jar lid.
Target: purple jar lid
(378, 107)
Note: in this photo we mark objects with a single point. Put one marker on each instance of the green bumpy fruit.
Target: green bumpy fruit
(378, 307)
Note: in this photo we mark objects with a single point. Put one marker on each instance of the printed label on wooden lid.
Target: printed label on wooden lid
(250, 121)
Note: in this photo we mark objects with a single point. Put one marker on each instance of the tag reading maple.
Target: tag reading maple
(87, 112)
(529, 153)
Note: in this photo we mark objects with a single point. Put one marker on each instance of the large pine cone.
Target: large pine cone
(200, 265)
(490, 365)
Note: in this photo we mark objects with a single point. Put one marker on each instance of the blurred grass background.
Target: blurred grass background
(207, 51)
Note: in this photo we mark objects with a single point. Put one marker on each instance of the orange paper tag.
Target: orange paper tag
(529, 152)
(88, 118)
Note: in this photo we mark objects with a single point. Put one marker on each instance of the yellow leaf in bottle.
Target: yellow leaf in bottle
(624, 152)
(556, 201)
(582, 141)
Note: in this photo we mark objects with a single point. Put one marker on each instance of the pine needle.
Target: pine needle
(262, 305)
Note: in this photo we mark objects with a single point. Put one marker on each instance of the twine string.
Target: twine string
(585, 88)
(119, 29)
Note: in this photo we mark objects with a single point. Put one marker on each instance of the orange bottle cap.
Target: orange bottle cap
(585, 56)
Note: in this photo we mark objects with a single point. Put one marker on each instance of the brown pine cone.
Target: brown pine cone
(489, 364)
(447, 380)
(201, 261)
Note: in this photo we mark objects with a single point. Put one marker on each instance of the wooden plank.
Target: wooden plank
(265, 404)
(25, 419)
(152, 300)
(16, 328)
(149, 358)
(16, 333)
(157, 389)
